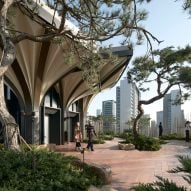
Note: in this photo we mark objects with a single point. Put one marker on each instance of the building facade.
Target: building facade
(144, 126)
(127, 97)
(118, 109)
(98, 112)
(45, 93)
(154, 129)
(109, 115)
(173, 115)
(159, 118)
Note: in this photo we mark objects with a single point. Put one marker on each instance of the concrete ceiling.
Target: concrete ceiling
(40, 66)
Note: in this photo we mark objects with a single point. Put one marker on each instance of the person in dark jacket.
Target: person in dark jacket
(187, 131)
(90, 135)
(160, 129)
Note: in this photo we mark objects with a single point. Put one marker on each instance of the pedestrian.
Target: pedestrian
(187, 131)
(160, 129)
(78, 136)
(90, 134)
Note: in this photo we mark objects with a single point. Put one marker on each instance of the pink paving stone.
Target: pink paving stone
(132, 167)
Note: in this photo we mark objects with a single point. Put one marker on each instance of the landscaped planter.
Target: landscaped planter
(100, 170)
(126, 146)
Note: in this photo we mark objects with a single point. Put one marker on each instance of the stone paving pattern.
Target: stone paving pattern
(132, 167)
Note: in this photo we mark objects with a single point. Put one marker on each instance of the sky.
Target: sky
(168, 22)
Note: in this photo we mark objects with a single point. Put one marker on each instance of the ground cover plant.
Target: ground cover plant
(101, 138)
(107, 135)
(163, 184)
(172, 137)
(43, 171)
(142, 142)
(95, 141)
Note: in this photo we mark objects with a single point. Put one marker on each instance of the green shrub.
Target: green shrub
(108, 132)
(143, 187)
(142, 142)
(171, 137)
(42, 171)
(147, 143)
(127, 136)
(122, 135)
(185, 167)
(161, 185)
(1, 146)
(106, 137)
(163, 141)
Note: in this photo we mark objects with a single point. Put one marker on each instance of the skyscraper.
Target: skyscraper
(159, 117)
(98, 112)
(109, 115)
(173, 116)
(118, 109)
(127, 96)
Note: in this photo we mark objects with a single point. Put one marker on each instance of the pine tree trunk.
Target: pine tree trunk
(10, 127)
(135, 133)
(135, 122)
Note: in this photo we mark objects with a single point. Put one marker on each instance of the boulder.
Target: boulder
(100, 170)
(48, 147)
(126, 146)
(103, 171)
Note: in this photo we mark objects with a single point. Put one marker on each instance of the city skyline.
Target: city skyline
(114, 99)
(173, 29)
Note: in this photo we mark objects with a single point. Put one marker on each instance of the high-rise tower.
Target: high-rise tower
(127, 96)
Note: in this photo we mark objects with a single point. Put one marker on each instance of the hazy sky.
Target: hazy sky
(167, 21)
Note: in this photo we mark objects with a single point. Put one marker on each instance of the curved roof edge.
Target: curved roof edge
(48, 15)
(122, 51)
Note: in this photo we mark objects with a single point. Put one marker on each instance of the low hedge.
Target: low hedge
(107, 137)
(43, 171)
(95, 141)
(172, 137)
(147, 143)
(142, 142)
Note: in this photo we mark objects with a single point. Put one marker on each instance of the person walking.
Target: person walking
(160, 129)
(90, 134)
(78, 136)
(187, 131)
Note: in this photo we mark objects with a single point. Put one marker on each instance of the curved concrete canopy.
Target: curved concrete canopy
(40, 66)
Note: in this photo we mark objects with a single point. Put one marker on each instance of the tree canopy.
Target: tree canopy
(86, 23)
(165, 68)
(91, 23)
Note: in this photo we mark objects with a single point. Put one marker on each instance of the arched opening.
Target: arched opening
(51, 131)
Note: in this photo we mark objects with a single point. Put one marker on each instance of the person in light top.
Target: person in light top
(78, 136)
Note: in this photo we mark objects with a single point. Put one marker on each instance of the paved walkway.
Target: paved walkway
(132, 167)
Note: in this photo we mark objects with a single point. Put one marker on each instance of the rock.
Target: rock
(103, 188)
(48, 147)
(102, 171)
(126, 146)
